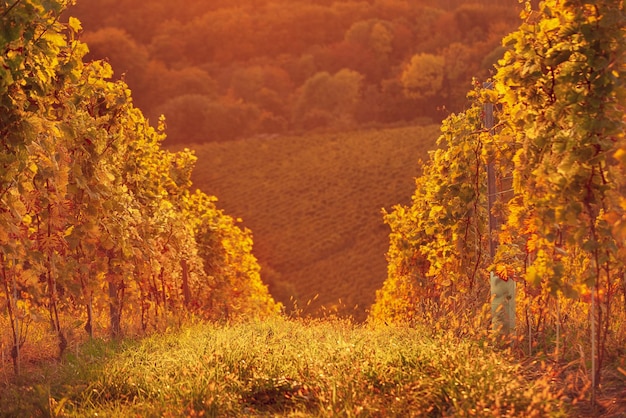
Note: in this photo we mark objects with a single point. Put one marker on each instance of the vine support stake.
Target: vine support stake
(502, 291)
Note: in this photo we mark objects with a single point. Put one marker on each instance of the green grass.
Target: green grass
(314, 203)
(317, 368)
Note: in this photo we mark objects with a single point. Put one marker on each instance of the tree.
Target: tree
(423, 77)
(124, 54)
(336, 95)
(197, 118)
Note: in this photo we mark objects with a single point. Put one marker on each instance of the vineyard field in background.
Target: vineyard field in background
(314, 205)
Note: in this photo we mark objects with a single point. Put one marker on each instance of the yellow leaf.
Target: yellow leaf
(533, 276)
(74, 24)
(620, 155)
(502, 272)
(531, 244)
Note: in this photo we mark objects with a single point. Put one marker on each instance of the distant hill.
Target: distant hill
(314, 205)
(225, 69)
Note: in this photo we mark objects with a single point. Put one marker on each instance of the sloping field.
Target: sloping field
(314, 206)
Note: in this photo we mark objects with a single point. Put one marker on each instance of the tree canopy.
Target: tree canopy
(261, 54)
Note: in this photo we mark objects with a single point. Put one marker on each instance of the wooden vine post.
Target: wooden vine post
(502, 291)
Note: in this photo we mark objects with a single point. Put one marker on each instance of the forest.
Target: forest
(223, 70)
(125, 291)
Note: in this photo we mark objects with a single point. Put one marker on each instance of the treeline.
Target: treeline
(95, 217)
(557, 153)
(225, 69)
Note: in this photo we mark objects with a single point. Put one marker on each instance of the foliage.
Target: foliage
(193, 117)
(336, 95)
(556, 147)
(423, 76)
(437, 247)
(93, 212)
(566, 117)
(289, 368)
(235, 289)
(277, 46)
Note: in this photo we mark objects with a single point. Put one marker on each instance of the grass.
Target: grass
(314, 203)
(317, 368)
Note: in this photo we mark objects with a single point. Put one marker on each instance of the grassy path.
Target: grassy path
(321, 368)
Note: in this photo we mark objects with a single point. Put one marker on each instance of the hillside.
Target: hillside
(221, 70)
(314, 206)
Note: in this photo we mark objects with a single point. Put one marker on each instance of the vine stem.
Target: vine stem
(15, 351)
(594, 347)
(11, 7)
